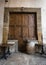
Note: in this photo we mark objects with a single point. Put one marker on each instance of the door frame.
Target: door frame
(21, 9)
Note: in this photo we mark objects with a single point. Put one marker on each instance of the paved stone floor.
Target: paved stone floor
(23, 59)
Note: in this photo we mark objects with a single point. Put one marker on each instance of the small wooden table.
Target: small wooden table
(3, 48)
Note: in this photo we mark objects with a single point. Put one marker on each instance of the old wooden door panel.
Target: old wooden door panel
(11, 32)
(18, 35)
(18, 29)
(31, 26)
(17, 32)
(12, 19)
(25, 20)
(25, 32)
(31, 20)
(25, 25)
(17, 19)
(31, 33)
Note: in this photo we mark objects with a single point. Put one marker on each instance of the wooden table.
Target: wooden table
(3, 48)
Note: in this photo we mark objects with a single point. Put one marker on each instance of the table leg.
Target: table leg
(4, 53)
(8, 52)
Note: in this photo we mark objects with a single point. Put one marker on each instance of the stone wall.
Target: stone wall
(6, 21)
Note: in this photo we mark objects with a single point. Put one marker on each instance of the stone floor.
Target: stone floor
(23, 59)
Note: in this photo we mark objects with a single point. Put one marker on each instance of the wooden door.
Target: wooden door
(22, 26)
